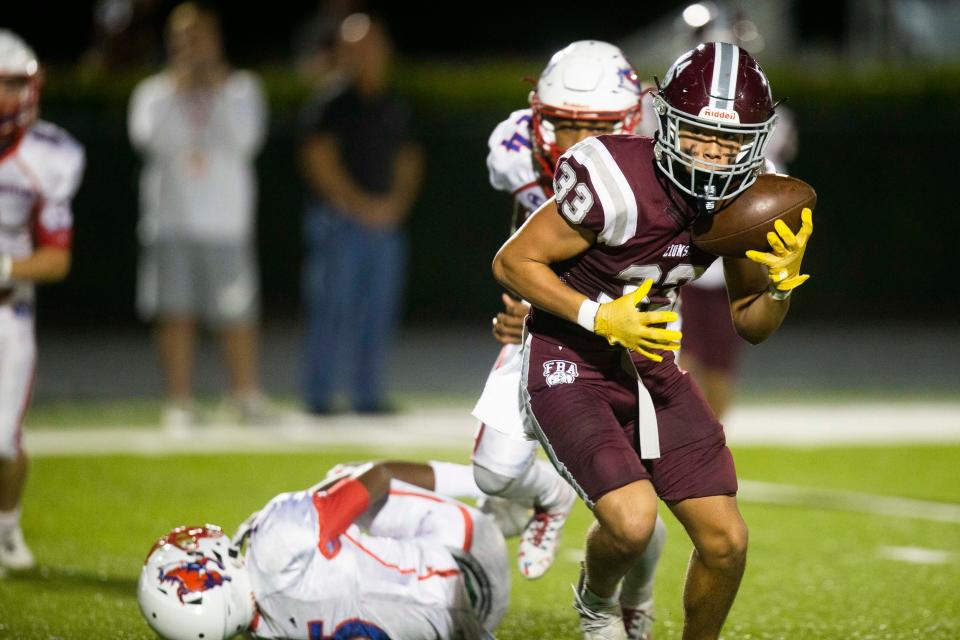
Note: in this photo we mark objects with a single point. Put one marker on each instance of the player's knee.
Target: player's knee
(725, 548)
(631, 533)
(492, 484)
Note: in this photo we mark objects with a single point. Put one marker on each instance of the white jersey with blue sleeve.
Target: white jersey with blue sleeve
(398, 576)
(511, 163)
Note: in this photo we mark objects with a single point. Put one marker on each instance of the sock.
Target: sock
(454, 480)
(9, 520)
(593, 601)
(637, 589)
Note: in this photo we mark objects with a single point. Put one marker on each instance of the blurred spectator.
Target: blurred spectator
(126, 35)
(315, 42)
(199, 124)
(41, 166)
(364, 173)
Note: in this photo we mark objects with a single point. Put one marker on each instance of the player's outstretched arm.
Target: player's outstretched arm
(760, 284)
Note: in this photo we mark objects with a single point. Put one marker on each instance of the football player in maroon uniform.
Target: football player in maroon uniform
(601, 263)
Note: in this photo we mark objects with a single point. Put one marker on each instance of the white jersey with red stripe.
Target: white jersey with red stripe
(39, 176)
(511, 163)
(401, 571)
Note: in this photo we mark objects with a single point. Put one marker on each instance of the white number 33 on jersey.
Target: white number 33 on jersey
(575, 207)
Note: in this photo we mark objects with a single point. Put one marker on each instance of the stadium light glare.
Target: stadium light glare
(696, 15)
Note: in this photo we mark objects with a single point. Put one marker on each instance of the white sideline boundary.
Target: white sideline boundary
(781, 425)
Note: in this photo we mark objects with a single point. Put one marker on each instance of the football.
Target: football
(742, 223)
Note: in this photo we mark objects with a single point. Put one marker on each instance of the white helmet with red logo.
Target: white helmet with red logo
(194, 585)
(588, 80)
(18, 62)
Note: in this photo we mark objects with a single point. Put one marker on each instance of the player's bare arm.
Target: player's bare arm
(756, 315)
(522, 265)
(46, 264)
(760, 285)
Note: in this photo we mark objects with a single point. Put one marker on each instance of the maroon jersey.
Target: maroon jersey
(611, 186)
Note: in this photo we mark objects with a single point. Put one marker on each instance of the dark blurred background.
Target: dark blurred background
(874, 86)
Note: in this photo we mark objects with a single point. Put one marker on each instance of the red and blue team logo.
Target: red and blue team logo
(628, 79)
(195, 577)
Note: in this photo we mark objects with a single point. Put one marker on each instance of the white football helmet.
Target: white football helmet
(587, 80)
(194, 585)
(18, 61)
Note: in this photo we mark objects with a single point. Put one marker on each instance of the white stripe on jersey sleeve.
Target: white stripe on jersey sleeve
(617, 199)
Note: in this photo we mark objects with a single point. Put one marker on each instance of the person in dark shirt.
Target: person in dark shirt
(364, 172)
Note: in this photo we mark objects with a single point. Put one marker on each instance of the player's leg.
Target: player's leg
(711, 347)
(580, 422)
(506, 467)
(16, 380)
(697, 478)
(719, 556)
(636, 590)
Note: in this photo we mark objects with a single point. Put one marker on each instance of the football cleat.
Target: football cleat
(598, 622)
(638, 621)
(541, 537)
(14, 552)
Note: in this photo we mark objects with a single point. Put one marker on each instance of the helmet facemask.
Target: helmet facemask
(19, 98)
(706, 180)
(590, 83)
(545, 117)
(20, 78)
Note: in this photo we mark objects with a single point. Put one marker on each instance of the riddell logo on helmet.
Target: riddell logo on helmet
(724, 115)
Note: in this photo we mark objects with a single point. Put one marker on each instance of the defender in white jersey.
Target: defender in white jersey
(588, 88)
(361, 555)
(40, 170)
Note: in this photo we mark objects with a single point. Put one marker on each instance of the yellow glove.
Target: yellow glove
(620, 322)
(783, 265)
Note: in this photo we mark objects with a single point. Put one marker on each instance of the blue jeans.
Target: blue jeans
(353, 289)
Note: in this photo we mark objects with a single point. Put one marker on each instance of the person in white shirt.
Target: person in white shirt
(41, 166)
(374, 551)
(199, 125)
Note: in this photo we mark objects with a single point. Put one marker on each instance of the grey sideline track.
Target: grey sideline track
(444, 428)
(802, 359)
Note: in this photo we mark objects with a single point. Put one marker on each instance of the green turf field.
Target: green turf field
(813, 573)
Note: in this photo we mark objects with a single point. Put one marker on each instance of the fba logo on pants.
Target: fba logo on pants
(559, 372)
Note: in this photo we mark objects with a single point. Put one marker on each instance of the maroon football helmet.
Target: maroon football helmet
(719, 88)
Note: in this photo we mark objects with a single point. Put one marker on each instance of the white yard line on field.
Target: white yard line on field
(816, 498)
(916, 555)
